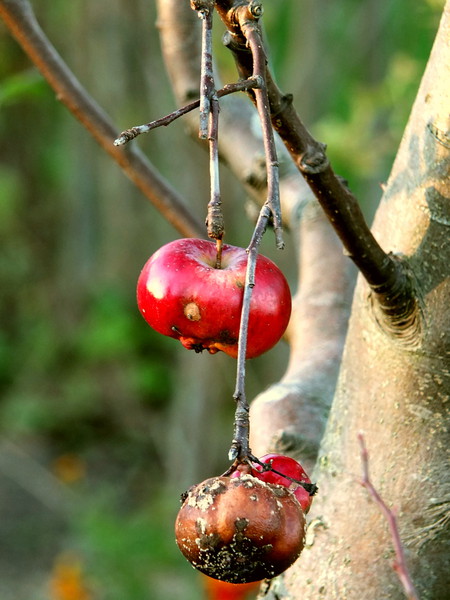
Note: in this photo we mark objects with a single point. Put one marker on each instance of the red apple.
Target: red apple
(290, 467)
(182, 294)
(286, 468)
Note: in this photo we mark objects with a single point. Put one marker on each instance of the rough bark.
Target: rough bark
(394, 388)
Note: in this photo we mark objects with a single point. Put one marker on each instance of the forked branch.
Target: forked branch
(240, 449)
(230, 88)
(386, 275)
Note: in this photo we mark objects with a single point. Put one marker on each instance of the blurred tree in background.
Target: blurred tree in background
(97, 410)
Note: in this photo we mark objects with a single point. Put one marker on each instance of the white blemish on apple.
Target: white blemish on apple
(192, 312)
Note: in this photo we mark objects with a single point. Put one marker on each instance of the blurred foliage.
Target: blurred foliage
(99, 408)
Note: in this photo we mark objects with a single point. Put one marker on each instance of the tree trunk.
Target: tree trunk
(394, 388)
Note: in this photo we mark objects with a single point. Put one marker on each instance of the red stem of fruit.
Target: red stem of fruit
(400, 566)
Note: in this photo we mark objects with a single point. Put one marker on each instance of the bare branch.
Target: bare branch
(214, 219)
(129, 134)
(253, 35)
(240, 148)
(20, 20)
(230, 88)
(205, 10)
(385, 274)
(209, 123)
(240, 448)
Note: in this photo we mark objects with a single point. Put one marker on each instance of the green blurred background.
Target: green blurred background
(103, 423)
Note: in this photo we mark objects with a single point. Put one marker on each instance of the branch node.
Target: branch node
(397, 304)
(215, 220)
(285, 102)
(259, 81)
(203, 7)
(256, 9)
(314, 160)
(235, 43)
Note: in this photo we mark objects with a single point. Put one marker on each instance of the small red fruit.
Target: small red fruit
(221, 590)
(281, 468)
(290, 467)
(240, 529)
(182, 294)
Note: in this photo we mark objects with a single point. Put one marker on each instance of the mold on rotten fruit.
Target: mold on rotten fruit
(240, 529)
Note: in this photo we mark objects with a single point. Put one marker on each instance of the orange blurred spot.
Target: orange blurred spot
(67, 581)
(69, 468)
(220, 590)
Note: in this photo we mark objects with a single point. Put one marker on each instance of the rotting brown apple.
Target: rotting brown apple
(182, 294)
(240, 529)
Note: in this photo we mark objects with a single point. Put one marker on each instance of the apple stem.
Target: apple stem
(219, 246)
(214, 220)
(209, 121)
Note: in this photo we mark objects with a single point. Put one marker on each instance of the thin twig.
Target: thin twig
(209, 123)
(18, 16)
(387, 275)
(230, 88)
(240, 445)
(251, 31)
(400, 565)
(205, 9)
(248, 16)
(311, 488)
(214, 219)
(129, 134)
